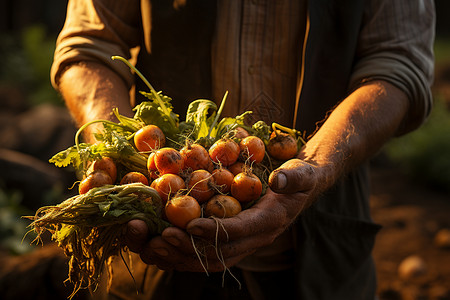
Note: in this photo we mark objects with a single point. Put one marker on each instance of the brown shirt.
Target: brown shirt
(256, 56)
(258, 48)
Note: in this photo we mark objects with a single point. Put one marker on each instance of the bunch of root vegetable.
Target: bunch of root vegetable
(89, 227)
(166, 172)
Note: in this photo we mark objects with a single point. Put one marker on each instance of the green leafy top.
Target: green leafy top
(151, 112)
(112, 143)
(201, 113)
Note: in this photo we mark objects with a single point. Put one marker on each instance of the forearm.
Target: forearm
(355, 130)
(91, 91)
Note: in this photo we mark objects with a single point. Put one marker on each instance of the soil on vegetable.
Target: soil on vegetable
(411, 215)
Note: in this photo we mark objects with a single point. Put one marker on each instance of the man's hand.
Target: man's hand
(235, 237)
(354, 131)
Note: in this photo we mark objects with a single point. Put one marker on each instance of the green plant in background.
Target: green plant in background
(12, 227)
(442, 50)
(38, 50)
(425, 154)
(26, 64)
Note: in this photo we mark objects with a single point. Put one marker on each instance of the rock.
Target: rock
(411, 267)
(442, 238)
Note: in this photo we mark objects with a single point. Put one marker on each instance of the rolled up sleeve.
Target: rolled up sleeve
(396, 45)
(95, 30)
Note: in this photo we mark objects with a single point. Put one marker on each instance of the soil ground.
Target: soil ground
(411, 215)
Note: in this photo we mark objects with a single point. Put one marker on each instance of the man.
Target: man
(352, 74)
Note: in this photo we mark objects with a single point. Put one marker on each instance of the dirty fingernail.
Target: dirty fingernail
(196, 231)
(280, 181)
(172, 240)
(161, 251)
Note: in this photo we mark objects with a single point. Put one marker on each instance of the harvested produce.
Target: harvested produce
(253, 148)
(200, 185)
(95, 179)
(106, 164)
(149, 138)
(222, 206)
(168, 161)
(181, 210)
(246, 187)
(168, 186)
(162, 170)
(222, 179)
(89, 227)
(282, 146)
(225, 152)
(132, 177)
(196, 157)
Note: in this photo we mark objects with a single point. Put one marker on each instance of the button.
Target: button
(251, 70)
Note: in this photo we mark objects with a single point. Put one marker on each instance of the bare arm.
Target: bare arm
(355, 130)
(91, 90)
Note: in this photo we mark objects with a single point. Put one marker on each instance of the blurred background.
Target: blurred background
(410, 176)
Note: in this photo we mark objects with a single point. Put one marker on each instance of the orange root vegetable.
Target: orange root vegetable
(236, 168)
(222, 206)
(282, 146)
(223, 179)
(168, 161)
(149, 138)
(253, 148)
(168, 185)
(151, 167)
(195, 157)
(133, 177)
(95, 179)
(225, 152)
(181, 210)
(200, 185)
(246, 187)
(106, 164)
(241, 133)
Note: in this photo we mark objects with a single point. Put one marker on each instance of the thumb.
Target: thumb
(293, 176)
(136, 235)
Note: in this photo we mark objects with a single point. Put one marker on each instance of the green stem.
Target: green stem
(77, 135)
(219, 112)
(295, 133)
(153, 91)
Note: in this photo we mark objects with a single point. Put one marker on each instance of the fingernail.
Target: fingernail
(172, 240)
(281, 181)
(196, 231)
(161, 251)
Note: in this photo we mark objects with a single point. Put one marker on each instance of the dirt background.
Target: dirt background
(416, 224)
(411, 215)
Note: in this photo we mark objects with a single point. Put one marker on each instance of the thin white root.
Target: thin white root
(198, 255)
(220, 255)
